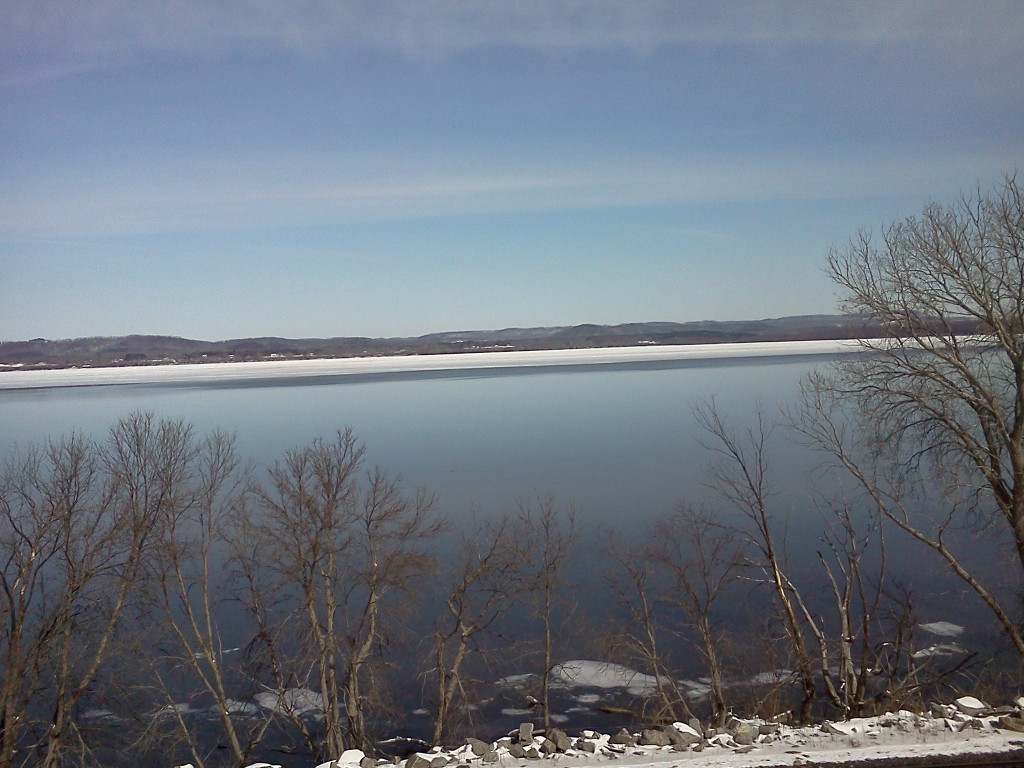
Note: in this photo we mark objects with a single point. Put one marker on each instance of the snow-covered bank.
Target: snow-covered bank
(197, 373)
(966, 729)
(949, 731)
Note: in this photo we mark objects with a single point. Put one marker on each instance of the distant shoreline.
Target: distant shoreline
(281, 369)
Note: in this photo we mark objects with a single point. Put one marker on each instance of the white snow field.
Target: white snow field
(195, 373)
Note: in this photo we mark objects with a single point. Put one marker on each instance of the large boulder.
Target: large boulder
(743, 733)
(562, 742)
(480, 748)
(1010, 723)
(526, 733)
(653, 737)
(971, 706)
(585, 746)
(622, 738)
(681, 735)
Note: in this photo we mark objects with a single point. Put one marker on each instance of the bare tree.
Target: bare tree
(549, 537)
(739, 475)
(940, 399)
(639, 637)
(342, 546)
(488, 578)
(701, 558)
(77, 524)
(189, 589)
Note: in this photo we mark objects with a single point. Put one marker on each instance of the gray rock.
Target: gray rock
(585, 746)
(517, 751)
(532, 753)
(622, 738)
(548, 747)
(680, 738)
(650, 737)
(489, 757)
(480, 748)
(439, 762)
(969, 705)
(417, 761)
(368, 762)
(559, 737)
(526, 733)
(743, 733)
(1010, 723)
(744, 749)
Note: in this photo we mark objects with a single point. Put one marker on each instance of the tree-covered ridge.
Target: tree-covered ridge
(148, 350)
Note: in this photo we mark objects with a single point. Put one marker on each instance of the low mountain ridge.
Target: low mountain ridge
(106, 351)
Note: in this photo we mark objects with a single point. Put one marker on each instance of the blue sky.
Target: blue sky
(216, 170)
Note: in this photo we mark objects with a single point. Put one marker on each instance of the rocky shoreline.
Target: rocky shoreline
(962, 731)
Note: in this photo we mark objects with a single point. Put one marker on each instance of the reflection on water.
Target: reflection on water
(616, 441)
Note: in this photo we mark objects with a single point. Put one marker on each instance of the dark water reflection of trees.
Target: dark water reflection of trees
(258, 628)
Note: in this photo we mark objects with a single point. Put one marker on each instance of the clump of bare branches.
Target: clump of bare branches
(939, 402)
(487, 577)
(326, 554)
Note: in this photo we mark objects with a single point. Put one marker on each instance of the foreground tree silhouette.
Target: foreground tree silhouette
(739, 475)
(77, 527)
(939, 401)
(552, 538)
(702, 559)
(187, 589)
(335, 547)
(487, 578)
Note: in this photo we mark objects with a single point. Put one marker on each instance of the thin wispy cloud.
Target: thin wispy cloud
(51, 39)
(512, 155)
(212, 195)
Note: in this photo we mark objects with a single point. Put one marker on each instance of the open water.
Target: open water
(619, 442)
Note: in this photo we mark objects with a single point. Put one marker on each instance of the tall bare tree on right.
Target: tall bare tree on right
(936, 407)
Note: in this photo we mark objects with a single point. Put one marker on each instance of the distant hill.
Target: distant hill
(153, 350)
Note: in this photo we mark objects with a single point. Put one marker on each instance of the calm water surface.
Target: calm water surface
(618, 442)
